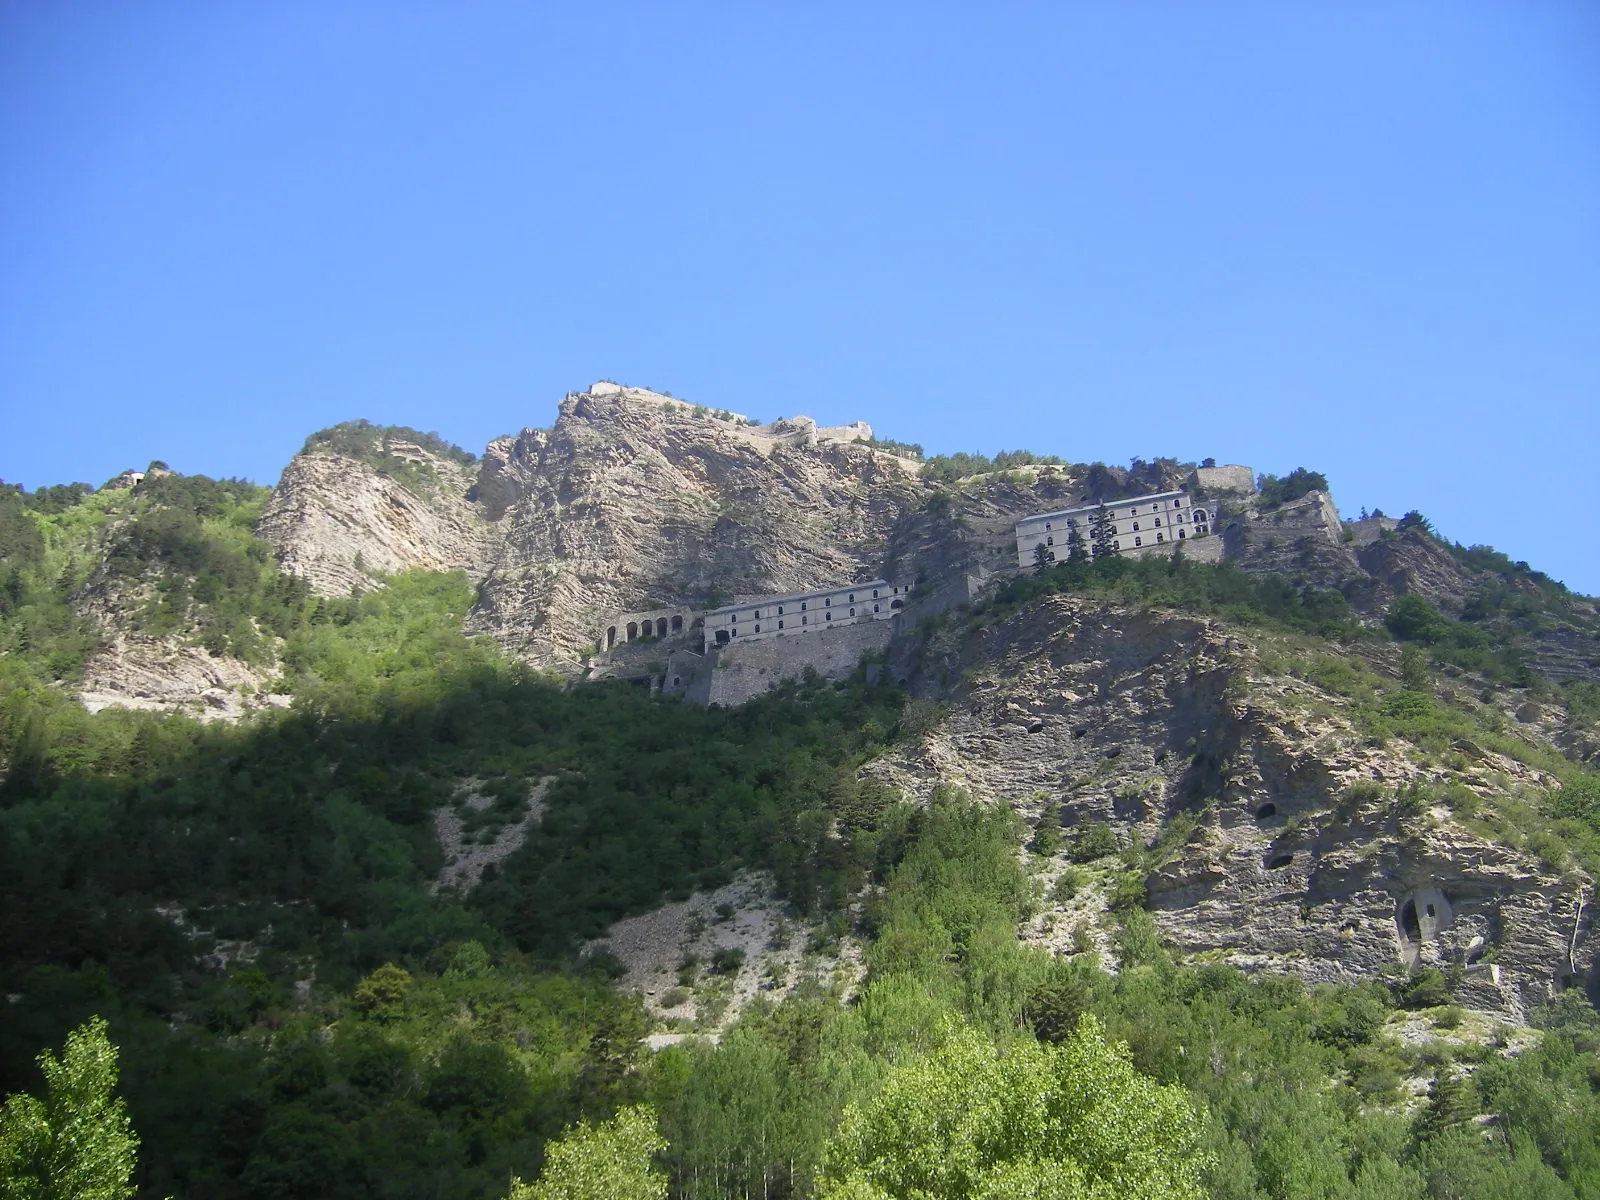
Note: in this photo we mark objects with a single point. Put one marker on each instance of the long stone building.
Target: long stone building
(804, 612)
(1138, 523)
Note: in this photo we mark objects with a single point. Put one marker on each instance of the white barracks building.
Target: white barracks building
(804, 612)
(1141, 522)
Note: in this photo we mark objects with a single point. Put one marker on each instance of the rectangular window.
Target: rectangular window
(875, 608)
(852, 612)
(780, 624)
(1160, 537)
(828, 603)
(1158, 520)
(802, 606)
(805, 620)
(780, 610)
(827, 616)
(1136, 524)
(1138, 541)
(1050, 541)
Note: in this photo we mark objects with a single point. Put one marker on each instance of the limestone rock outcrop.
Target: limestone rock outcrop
(1303, 855)
(335, 518)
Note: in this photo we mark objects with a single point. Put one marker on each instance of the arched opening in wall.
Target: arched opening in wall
(722, 637)
(661, 627)
(897, 604)
(1409, 925)
(677, 681)
(633, 630)
(1266, 811)
(677, 624)
(611, 637)
(1279, 861)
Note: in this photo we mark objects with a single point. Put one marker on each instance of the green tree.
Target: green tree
(1069, 1122)
(77, 1143)
(1041, 559)
(1077, 549)
(1103, 532)
(609, 1161)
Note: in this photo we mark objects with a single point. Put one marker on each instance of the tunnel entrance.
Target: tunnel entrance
(1409, 925)
(1266, 811)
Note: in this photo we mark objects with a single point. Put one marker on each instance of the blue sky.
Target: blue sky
(1363, 238)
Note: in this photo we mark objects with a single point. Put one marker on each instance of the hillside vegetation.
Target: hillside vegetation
(301, 1014)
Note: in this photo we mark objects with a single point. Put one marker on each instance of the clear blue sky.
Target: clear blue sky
(1363, 238)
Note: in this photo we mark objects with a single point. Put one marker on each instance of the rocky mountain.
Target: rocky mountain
(1278, 832)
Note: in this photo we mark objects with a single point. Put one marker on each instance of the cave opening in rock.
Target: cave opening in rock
(1279, 862)
(1408, 921)
(1265, 811)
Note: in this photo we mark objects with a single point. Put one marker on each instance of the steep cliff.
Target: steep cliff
(371, 499)
(1280, 830)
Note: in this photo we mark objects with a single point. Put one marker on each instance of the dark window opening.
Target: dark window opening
(677, 624)
(1409, 924)
(611, 637)
(1430, 910)
(722, 637)
(633, 630)
(661, 627)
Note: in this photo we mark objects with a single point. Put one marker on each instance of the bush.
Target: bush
(1096, 841)
(1297, 483)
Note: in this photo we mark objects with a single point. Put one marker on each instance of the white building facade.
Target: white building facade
(1139, 523)
(803, 612)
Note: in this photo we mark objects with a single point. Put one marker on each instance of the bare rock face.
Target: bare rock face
(1303, 856)
(334, 518)
(161, 675)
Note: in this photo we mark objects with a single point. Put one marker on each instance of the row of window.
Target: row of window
(826, 603)
(1138, 541)
(1199, 515)
(724, 634)
(1072, 522)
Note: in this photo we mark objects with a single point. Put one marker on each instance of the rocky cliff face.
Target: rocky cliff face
(631, 501)
(334, 518)
(1304, 854)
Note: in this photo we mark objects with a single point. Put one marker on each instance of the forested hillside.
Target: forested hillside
(302, 1012)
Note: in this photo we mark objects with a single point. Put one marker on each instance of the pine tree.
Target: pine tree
(1041, 559)
(1077, 548)
(1103, 530)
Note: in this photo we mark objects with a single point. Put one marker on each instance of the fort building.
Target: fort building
(804, 612)
(1138, 523)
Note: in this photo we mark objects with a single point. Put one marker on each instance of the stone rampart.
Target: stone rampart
(740, 673)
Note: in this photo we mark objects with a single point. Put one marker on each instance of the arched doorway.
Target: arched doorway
(611, 637)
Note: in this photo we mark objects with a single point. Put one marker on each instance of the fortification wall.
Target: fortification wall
(740, 673)
(1206, 549)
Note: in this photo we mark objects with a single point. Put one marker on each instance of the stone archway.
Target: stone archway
(633, 630)
(611, 637)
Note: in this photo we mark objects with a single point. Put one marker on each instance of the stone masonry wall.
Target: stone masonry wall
(743, 672)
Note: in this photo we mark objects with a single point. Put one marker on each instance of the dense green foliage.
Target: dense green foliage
(77, 1142)
(948, 468)
(1220, 588)
(1274, 491)
(373, 445)
(250, 906)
